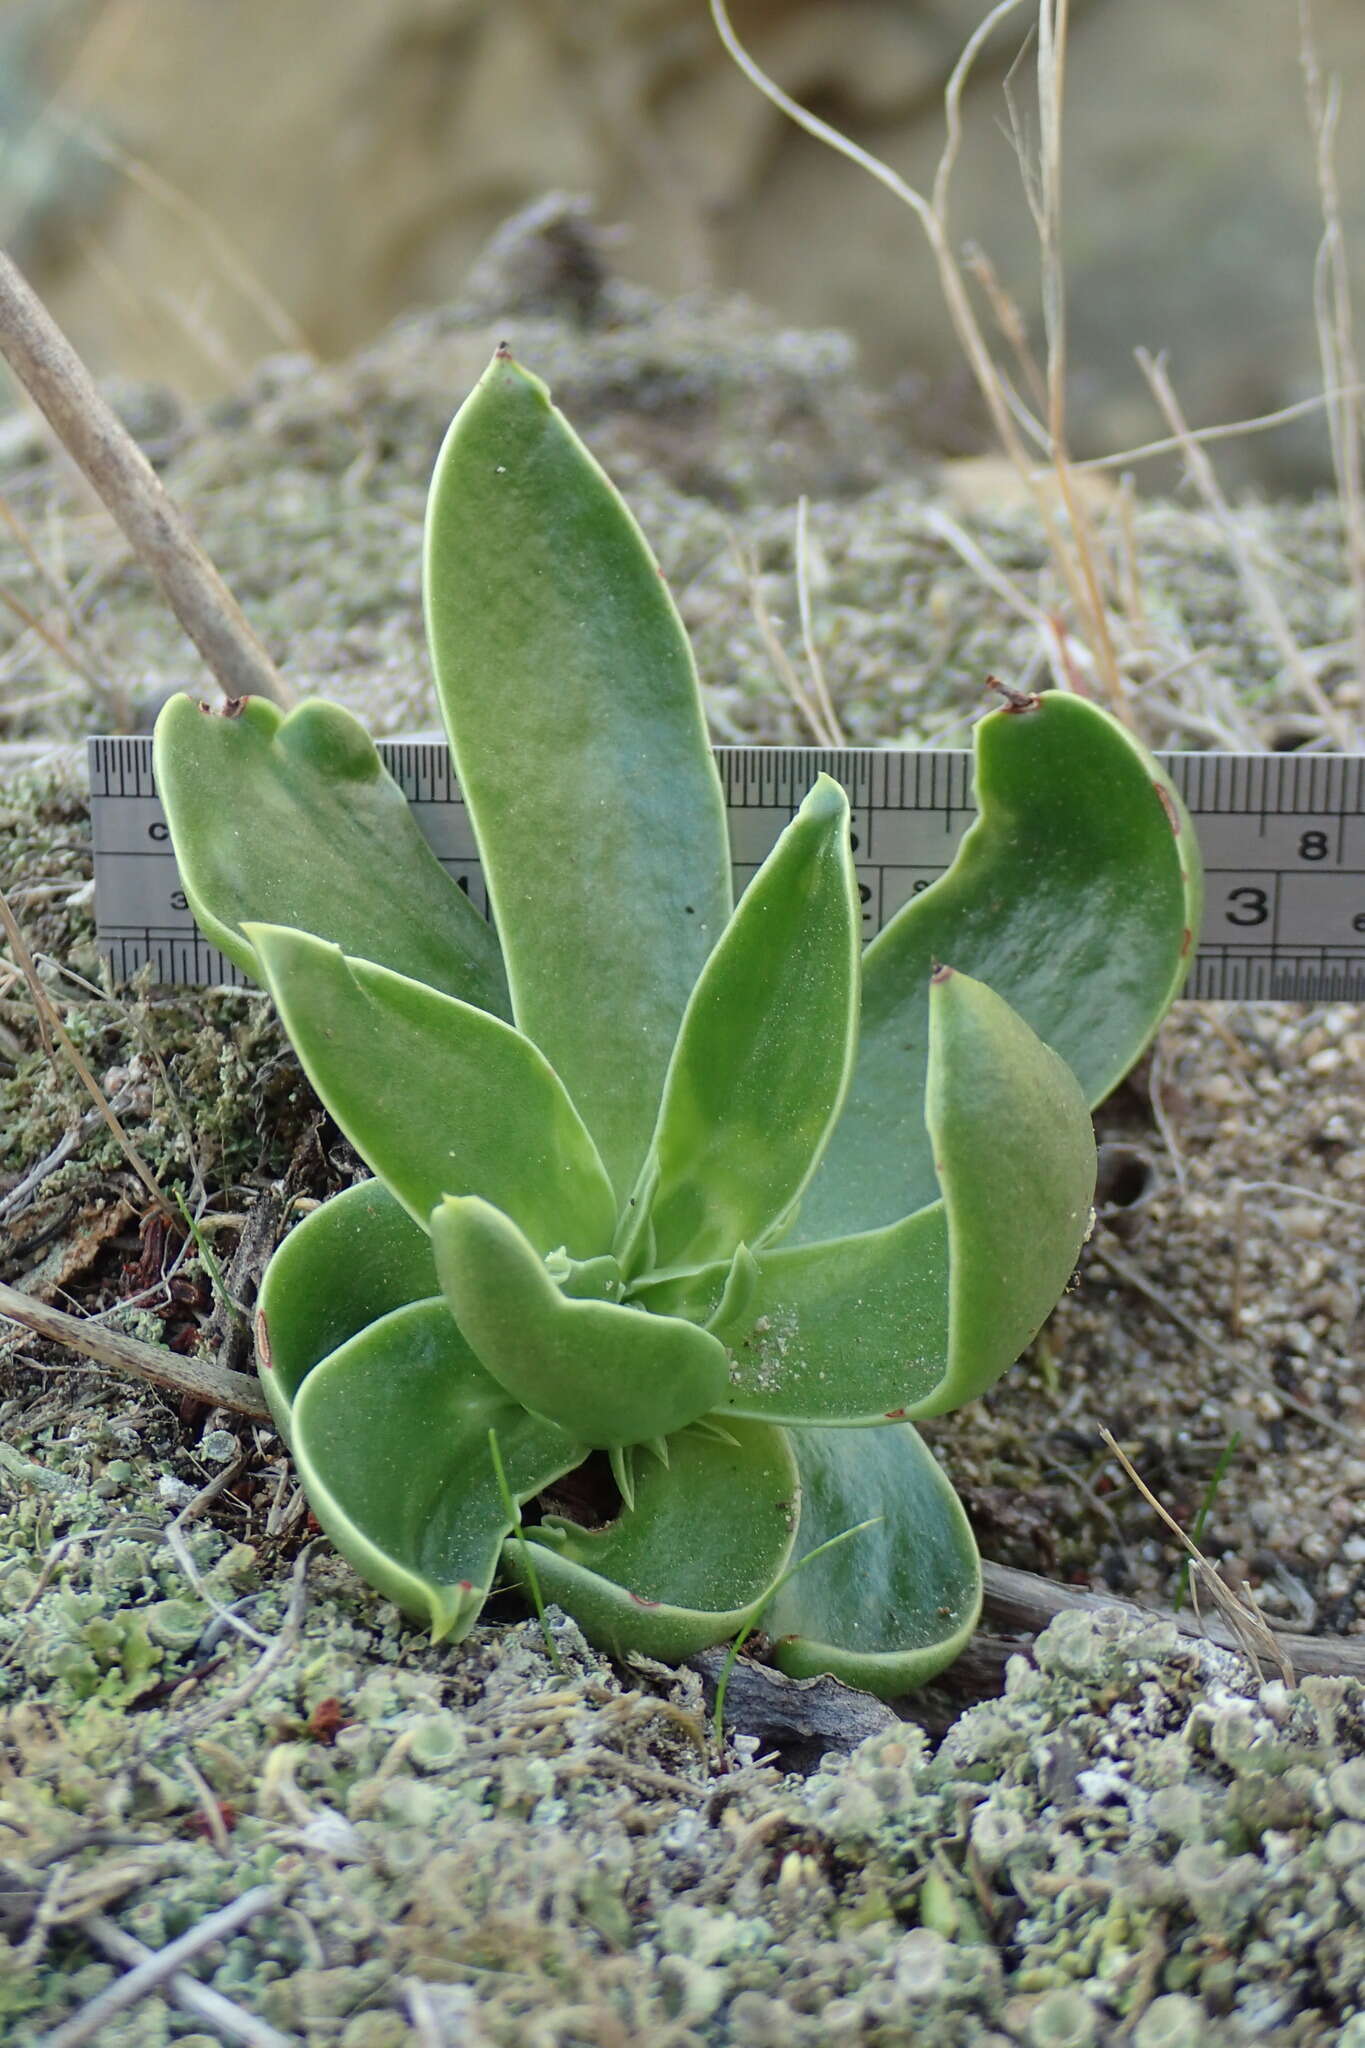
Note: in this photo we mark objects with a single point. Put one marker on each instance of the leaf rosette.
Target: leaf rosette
(691, 1208)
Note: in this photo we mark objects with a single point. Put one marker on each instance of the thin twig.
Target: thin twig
(808, 641)
(1254, 583)
(777, 653)
(195, 1377)
(1071, 554)
(200, 1999)
(149, 1976)
(49, 1018)
(1335, 323)
(58, 382)
(1133, 1276)
(1227, 430)
(1254, 1634)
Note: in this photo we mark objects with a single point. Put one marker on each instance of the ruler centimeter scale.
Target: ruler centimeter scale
(1283, 839)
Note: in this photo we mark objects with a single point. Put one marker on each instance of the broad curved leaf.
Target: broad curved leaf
(916, 1318)
(438, 1097)
(295, 821)
(896, 1603)
(354, 1259)
(695, 1557)
(1076, 895)
(570, 697)
(612, 1375)
(765, 1051)
(1015, 1153)
(391, 1442)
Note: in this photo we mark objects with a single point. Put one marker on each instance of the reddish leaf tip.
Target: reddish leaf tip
(940, 973)
(1015, 700)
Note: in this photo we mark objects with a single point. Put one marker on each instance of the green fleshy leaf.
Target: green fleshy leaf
(923, 1315)
(391, 1442)
(1076, 895)
(765, 1051)
(612, 1375)
(695, 1557)
(848, 1332)
(351, 1261)
(571, 701)
(437, 1097)
(895, 1605)
(296, 821)
(1015, 1154)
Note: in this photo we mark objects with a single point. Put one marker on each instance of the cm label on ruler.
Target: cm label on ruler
(1283, 839)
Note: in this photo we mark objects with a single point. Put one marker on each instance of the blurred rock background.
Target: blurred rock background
(194, 184)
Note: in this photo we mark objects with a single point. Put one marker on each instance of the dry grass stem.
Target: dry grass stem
(1236, 1605)
(224, 253)
(808, 641)
(1068, 542)
(50, 1021)
(1134, 1277)
(1253, 579)
(1227, 430)
(783, 666)
(51, 640)
(1335, 323)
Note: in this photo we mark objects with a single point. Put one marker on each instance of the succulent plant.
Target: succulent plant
(682, 1210)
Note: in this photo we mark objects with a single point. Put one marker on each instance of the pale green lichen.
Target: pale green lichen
(1134, 1836)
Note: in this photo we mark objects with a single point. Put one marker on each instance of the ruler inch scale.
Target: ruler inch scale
(1282, 835)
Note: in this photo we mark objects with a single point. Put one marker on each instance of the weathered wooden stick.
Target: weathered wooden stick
(240, 1391)
(1023, 1601)
(58, 382)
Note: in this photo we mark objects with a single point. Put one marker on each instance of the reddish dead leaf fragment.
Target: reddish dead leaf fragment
(327, 1720)
(198, 1823)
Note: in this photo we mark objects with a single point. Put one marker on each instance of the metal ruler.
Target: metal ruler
(1283, 838)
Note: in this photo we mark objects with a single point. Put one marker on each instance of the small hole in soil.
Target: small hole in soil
(588, 1495)
(1126, 1177)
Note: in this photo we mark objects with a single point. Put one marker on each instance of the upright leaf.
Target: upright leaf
(437, 1097)
(918, 1317)
(296, 821)
(611, 1375)
(1015, 1154)
(571, 701)
(1076, 895)
(391, 1442)
(766, 1047)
